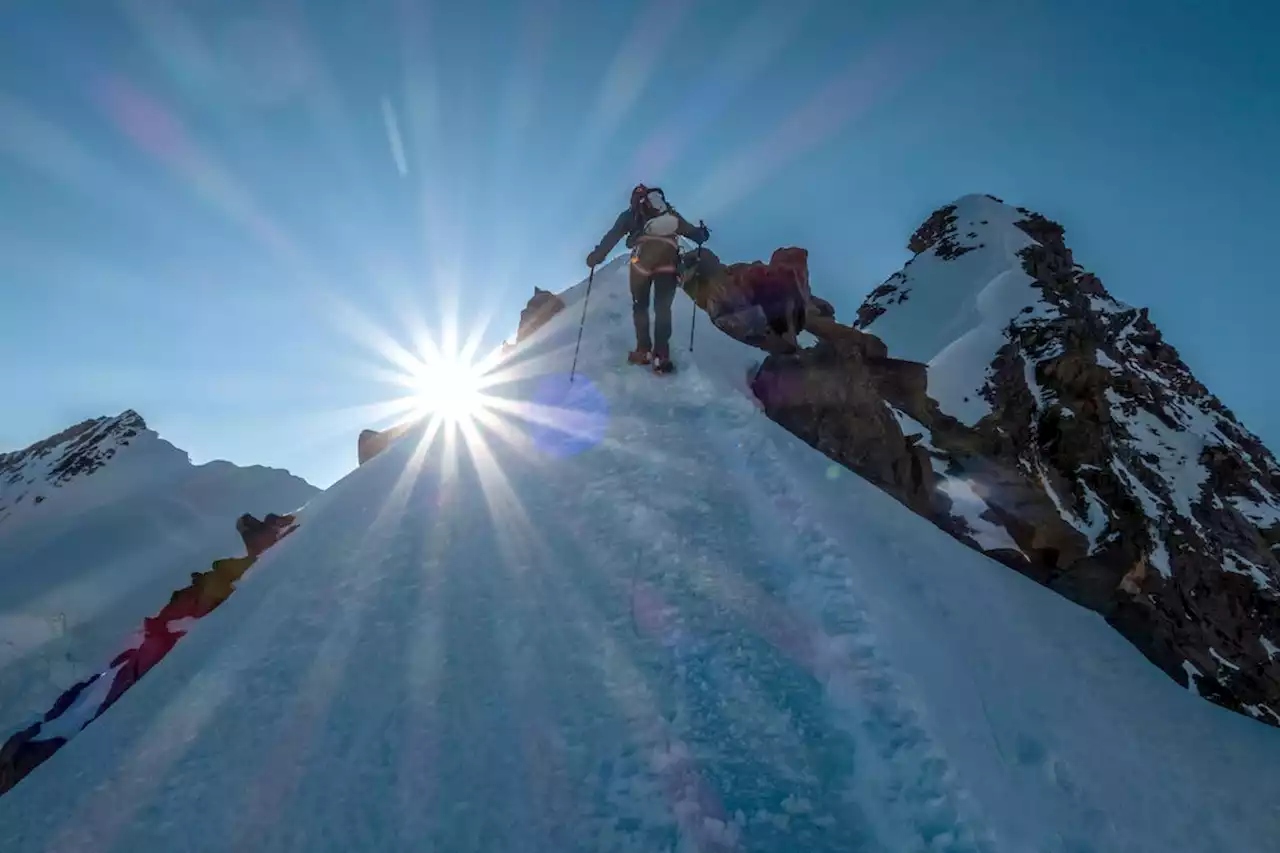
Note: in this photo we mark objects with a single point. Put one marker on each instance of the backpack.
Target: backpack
(651, 214)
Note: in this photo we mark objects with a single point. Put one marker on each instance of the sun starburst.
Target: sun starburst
(449, 387)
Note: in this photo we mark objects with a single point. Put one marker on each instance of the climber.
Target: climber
(652, 228)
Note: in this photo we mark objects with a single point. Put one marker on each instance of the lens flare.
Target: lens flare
(448, 388)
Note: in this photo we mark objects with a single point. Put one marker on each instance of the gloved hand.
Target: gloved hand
(595, 258)
(703, 235)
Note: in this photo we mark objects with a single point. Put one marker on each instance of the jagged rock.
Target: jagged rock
(830, 396)
(762, 304)
(542, 307)
(372, 442)
(819, 307)
(938, 233)
(257, 535)
(1119, 480)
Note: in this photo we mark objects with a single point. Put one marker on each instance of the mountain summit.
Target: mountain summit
(60, 464)
(996, 387)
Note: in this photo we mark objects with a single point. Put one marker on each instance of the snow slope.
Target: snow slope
(125, 521)
(668, 626)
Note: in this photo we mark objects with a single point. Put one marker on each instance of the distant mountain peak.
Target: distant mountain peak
(64, 460)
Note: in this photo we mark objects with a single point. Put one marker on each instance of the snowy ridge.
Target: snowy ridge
(62, 463)
(951, 305)
(82, 703)
(665, 624)
(1124, 458)
(124, 518)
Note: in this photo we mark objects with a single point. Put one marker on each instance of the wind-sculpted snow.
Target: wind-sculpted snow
(680, 631)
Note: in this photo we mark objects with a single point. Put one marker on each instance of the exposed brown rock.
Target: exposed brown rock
(372, 442)
(938, 233)
(543, 305)
(828, 395)
(257, 535)
(762, 304)
(1110, 439)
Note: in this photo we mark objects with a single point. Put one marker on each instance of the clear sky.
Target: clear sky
(218, 211)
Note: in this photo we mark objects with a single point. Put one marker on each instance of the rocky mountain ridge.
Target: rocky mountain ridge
(1037, 418)
(30, 476)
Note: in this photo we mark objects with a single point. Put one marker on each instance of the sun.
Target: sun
(448, 387)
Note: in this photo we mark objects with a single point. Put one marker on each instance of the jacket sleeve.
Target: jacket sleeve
(696, 233)
(619, 230)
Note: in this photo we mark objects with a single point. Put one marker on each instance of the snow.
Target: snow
(1271, 648)
(669, 631)
(81, 710)
(1151, 509)
(1176, 452)
(1221, 660)
(1160, 555)
(966, 503)
(130, 463)
(1262, 712)
(1105, 360)
(1107, 305)
(1238, 565)
(1192, 674)
(1094, 522)
(959, 309)
(1029, 376)
(1264, 515)
(911, 426)
(77, 580)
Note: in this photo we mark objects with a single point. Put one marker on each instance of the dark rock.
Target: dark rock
(542, 307)
(372, 442)
(1196, 580)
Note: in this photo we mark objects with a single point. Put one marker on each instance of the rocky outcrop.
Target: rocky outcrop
(832, 396)
(372, 442)
(258, 536)
(1079, 450)
(762, 304)
(542, 307)
(87, 700)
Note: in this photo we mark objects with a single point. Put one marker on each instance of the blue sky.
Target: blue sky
(204, 215)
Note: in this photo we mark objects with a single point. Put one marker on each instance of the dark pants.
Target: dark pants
(664, 287)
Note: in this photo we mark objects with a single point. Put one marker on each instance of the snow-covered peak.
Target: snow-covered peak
(1092, 442)
(90, 462)
(949, 306)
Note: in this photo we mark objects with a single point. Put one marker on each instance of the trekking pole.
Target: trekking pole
(697, 262)
(591, 278)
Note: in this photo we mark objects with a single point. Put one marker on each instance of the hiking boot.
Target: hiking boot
(662, 364)
(639, 356)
